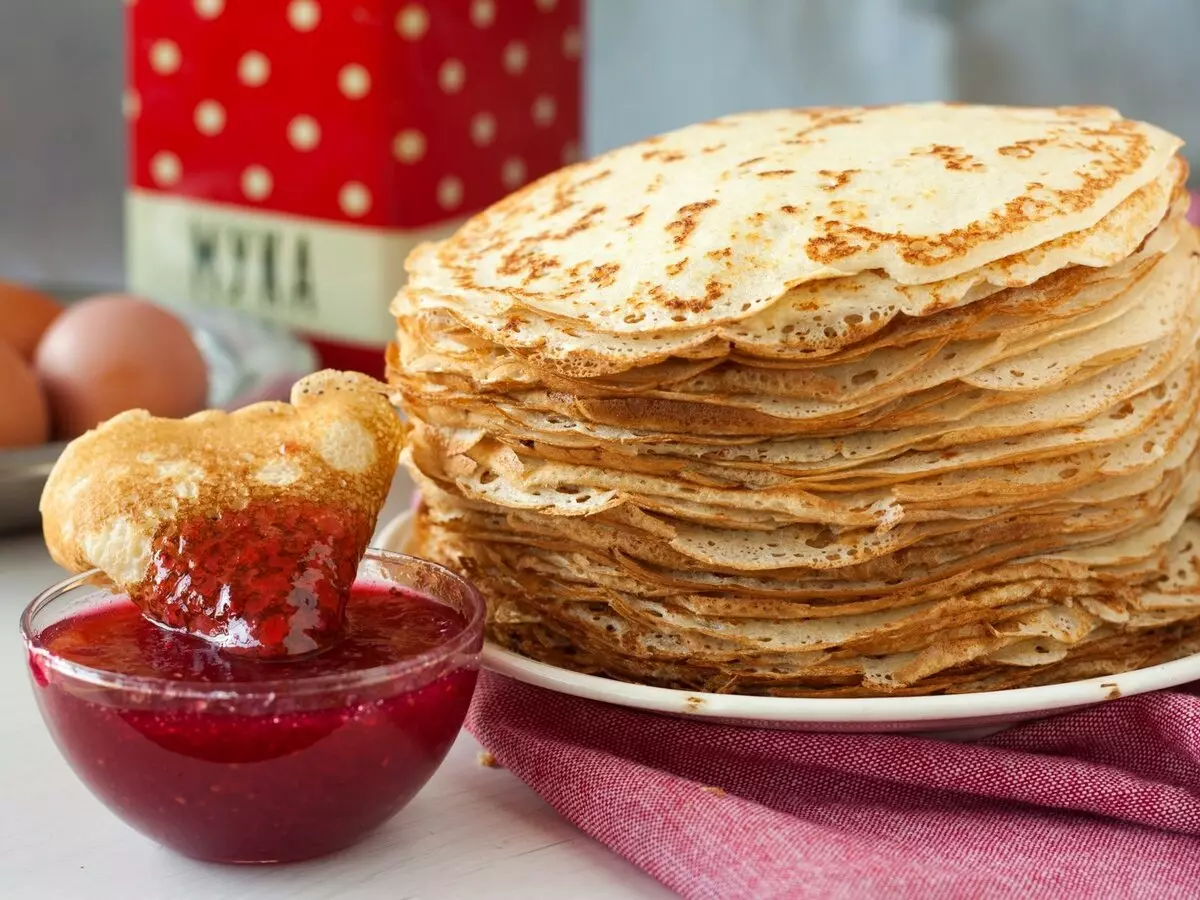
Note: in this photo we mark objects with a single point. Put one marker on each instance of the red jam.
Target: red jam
(265, 776)
(267, 581)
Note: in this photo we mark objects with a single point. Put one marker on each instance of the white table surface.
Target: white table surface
(473, 832)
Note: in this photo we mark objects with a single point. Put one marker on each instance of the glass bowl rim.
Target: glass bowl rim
(153, 685)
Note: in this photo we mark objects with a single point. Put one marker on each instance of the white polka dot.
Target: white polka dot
(543, 110)
(354, 81)
(131, 104)
(303, 15)
(450, 192)
(165, 57)
(512, 173)
(412, 22)
(516, 57)
(572, 43)
(254, 69)
(451, 76)
(546, 5)
(483, 129)
(409, 145)
(570, 153)
(304, 133)
(257, 183)
(209, 9)
(354, 199)
(165, 168)
(209, 117)
(483, 13)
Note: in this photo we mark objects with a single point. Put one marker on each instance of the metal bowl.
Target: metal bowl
(248, 361)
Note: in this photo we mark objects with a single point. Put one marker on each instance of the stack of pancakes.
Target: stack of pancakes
(826, 402)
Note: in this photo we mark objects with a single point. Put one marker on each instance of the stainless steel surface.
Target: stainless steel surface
(247, 360)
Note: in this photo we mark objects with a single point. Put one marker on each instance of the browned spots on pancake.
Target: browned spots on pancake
(837, 179)
(636, 217)
(956, 159)
(713, 291)
(751, 161)
(604, 275)
(655, 184)
(1123, 152)
(583, 223)
(850, 210)
(775, 173)
(723, 253)
(713, 148)
(1023, 149)
(514, 323)
(676, 267)
(667, 156)
(533, 264)
(592, 179)
(681, 228)
(821, 119)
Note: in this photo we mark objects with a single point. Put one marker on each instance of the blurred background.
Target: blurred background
(650, 65)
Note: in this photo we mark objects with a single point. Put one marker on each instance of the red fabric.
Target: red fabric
(1101, 803)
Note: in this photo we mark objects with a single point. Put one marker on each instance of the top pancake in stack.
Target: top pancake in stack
(827, 402)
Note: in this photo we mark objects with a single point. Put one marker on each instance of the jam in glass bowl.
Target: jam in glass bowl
(235, 760)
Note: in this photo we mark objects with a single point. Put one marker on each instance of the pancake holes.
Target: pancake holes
(821, 540)
(864, 377)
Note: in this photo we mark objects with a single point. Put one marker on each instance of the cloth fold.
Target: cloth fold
(1102, 802)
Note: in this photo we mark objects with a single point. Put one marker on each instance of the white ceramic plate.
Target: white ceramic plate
(954, 716)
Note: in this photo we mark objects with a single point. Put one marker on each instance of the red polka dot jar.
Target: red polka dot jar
(287, 154)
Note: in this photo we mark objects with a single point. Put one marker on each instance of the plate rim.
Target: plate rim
(827, 710)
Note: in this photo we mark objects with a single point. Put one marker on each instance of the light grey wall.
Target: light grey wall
(653, 65)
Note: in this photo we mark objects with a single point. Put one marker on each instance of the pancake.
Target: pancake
(831, 402)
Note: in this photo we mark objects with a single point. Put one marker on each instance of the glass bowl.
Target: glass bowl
(263, 771)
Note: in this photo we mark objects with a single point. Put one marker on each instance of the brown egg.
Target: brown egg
(111, 353)
(25, 314)
(24, 417)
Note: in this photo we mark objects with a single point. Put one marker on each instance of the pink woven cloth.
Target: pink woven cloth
(1101, 803)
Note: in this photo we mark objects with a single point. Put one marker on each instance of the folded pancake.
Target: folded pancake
(244, 528)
